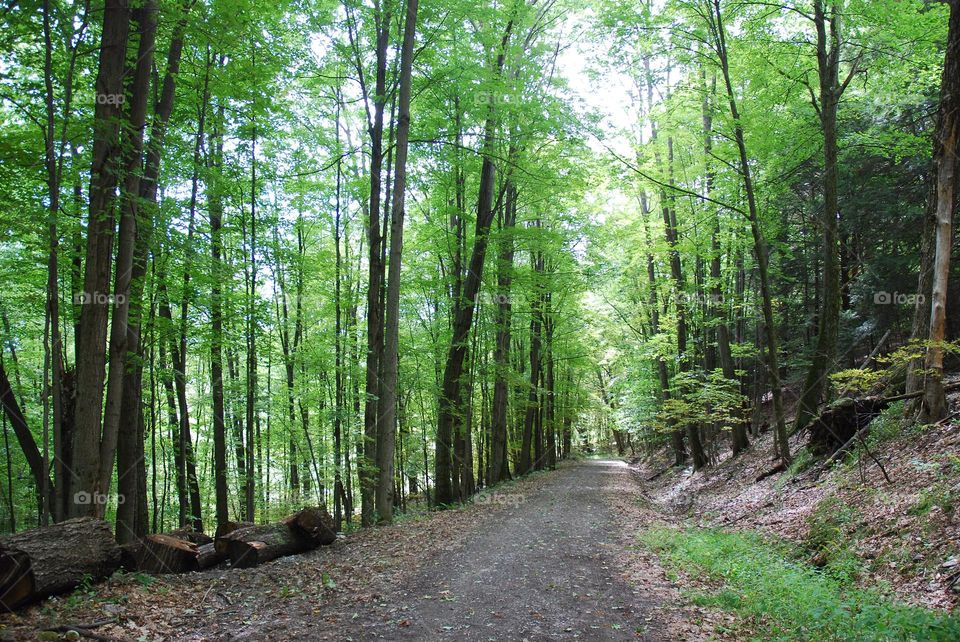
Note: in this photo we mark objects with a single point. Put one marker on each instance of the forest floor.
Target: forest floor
(900, 536)
(550, 557)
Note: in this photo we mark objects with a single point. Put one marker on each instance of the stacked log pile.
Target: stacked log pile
(45, 561)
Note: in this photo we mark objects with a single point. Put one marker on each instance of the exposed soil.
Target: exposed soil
(549, 558)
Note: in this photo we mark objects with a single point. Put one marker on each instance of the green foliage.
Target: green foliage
(889, 424)
(802, 460)
(702, 398)
(783, 599)
(832, 525)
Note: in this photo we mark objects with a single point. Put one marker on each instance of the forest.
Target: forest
(304, 270)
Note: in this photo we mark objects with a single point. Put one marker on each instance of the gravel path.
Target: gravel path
(544, 568)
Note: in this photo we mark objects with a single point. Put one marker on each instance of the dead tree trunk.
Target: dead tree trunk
(53, 559)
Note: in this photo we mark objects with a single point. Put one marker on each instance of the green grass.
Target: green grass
(780, 598)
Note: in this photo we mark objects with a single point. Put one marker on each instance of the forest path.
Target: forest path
(546, 567)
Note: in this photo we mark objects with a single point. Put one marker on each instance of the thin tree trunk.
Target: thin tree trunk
(386, 432)
(367, 463)
(738, 430)
(782, 446)
(828, 63)
(449, 414)
(215, 209)
(499, 460)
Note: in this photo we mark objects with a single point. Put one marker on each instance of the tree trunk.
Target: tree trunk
(526, 463)
(828, 63)
(21, 430)
(499, 459)
(386, 431)
(168, 554)
(215, 209)
(130, 453)
(366, 467)
(934, 406)
(57, 558)
(449, 414)
(104, 178)
(738, 432)
(782, 446)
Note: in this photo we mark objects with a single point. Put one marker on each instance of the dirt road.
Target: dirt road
(543, 568)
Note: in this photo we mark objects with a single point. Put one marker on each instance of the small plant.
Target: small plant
(802, 461)
(832, 525)
(144, 579)
(888, 425)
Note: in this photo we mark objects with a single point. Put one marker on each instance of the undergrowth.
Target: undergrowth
(779, 597)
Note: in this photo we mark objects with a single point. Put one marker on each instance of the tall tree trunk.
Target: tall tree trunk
(738, 430)
(386, 432)
(367, 464)
(934, 407)
(528, 442)
(782, 446)
(499, 460)
(549, 410)
(676, 435)
(663, 374)
(122, 339)
(251, 407)
(215, 213)
(450, 411)
(668, 209)
(828, 64)
(339, 496)
(104, 178)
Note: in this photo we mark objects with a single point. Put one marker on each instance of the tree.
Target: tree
(386, 431)
(946, 174)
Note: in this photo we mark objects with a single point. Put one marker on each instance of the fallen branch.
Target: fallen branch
(919, 393)
(84, 630)
(779, 468)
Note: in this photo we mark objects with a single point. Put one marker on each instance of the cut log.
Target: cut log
(60, 557)
(130, 555)
(841, 421)
(207, 556)
(166, 554)
(191, 535)
(16, 578)
(315, 523)
(255, 545)
(225, 529)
